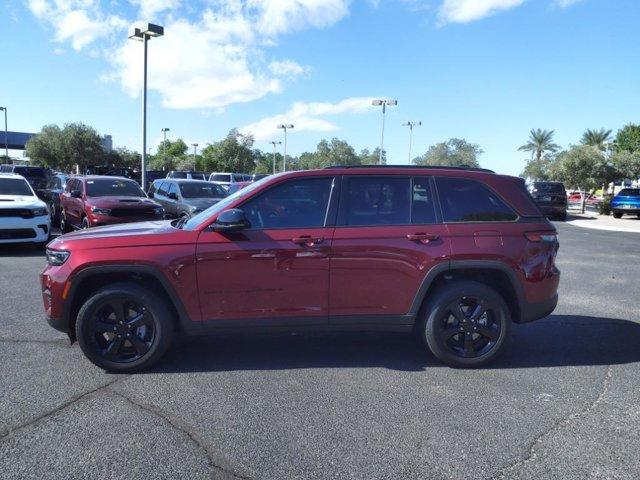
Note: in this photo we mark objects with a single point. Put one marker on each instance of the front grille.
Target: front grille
(16, 233)
(16, 212)
(133, 212)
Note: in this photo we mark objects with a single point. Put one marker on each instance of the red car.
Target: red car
(96, 200)
(453, 254)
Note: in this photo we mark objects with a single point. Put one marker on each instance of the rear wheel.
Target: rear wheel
(617, 214)
(64, 226)
(85, 223)
(53, 214)
(465, 324)
(124, 328)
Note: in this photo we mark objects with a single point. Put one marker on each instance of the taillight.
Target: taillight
(551, 237)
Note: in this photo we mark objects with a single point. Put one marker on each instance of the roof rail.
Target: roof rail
(430, 167)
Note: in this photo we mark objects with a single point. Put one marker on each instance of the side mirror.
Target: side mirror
(76, 194)
(232, 220)
(173, 196)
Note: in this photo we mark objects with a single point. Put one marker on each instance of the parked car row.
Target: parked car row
(185, 198)
(24, 218)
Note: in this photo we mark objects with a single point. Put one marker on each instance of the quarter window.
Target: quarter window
(465, 200)
(296, 204)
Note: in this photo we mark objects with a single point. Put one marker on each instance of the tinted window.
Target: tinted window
(113, 188)
(548, 188)
(630, 192)
(30, 172)
(295, 204)
(14, 186)
(465, 200)
(202, 190)
(377, 201)
(178, 175)
(422, 206)
(221, 178)
(173, 188)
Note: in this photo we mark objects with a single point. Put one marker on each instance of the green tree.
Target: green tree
(540, 142)
(596, 138)
(232, 154)
(372, 158)
(455, 152)
(584, 167)
(538, 170)
(627, 164)
(63, 149)
(123, 157)
(628, 138)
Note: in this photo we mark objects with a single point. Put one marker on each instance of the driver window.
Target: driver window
(173, 188)
(296, 204)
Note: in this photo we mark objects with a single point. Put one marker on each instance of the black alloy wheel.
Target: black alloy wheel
(466, 323)
(124, 327)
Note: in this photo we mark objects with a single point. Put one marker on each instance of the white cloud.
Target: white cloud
(465, 11)
(274, 17)
(80, 22)
(287, 68)
(565, 3)
(307, 117)
(150, 8)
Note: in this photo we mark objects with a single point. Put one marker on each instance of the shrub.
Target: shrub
(605, 206)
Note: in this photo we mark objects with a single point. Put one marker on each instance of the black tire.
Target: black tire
(102, 333)
(64, 225)
(85, 223)
(617, 214)
(53, 214)
(563, 217)
(463, 341)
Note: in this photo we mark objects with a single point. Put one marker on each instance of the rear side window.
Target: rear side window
(465, 200)
(422, 206)
(377, 201)
(221, 178)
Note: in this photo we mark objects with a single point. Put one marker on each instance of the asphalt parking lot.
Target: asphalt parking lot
(563, 402)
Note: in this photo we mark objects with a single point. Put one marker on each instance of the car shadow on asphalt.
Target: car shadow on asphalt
(557, 341)
(21, 250)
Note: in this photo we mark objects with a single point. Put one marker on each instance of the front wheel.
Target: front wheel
(617, 214)
(64, 226)
(465, 324)
(124, 328)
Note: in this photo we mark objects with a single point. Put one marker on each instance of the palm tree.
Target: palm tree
(540, 141)
(596, 138)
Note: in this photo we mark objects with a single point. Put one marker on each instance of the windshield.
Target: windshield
(220, 206)
(202, 190)
(630, 192)
(15, 186)
(113, 188)
(30, 172)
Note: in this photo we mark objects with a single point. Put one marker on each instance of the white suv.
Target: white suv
(225, 179)
(24, 218)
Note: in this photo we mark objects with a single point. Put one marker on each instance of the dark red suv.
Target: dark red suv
(96, 200)
(455, 255)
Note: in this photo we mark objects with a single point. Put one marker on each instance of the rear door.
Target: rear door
(388, 236)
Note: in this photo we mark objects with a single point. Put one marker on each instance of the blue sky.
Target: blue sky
(484, 70)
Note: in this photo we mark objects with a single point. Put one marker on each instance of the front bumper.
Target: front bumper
(59, 324)
(25, 230)
(632, 210)
(104, 220)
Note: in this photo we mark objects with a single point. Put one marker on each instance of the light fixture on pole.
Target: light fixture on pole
(284, 161)
(411, 125)
(144, 36)
(164, 145)
(274, 143)
(384, 103)
(6, 134)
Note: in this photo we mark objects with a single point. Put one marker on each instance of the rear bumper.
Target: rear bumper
(553, 209)
(538, 310)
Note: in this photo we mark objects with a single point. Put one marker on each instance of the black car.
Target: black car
(185, 198)
(551, 198)
(51, 195)
(36, 176)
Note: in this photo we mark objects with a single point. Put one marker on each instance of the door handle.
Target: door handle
(422, 237)
(307, 240)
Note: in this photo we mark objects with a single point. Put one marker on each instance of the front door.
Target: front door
(388, 236)
(277, 271)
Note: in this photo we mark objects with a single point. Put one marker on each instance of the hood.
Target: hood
(122, 229)
(201, 203)
(20, 201)
(122, 202)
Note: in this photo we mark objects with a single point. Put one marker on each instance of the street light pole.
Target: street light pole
(6, 134)
(284, 161)
(144, 36)
(411, 125)
(384, 104)
(195, 153)
(274, 143)
(164, 146)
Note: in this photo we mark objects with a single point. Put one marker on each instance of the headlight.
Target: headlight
(38, 212)
(57, 257)
(159, 211)
(101, 211)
